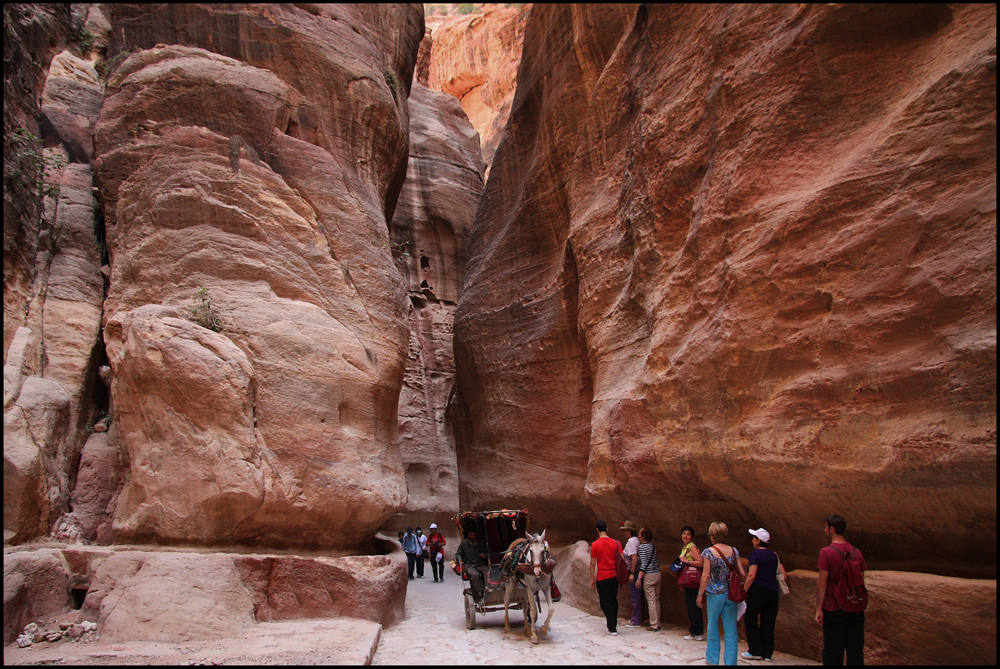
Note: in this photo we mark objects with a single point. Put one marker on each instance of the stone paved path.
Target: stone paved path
(434, 632)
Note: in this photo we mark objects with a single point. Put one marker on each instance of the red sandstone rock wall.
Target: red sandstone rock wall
(738, 263)
(475, 57)
(430, 230)
(33, 34)
(53, 287)
(256, 151)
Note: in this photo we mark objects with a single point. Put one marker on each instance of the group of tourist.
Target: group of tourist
(419, 548)
(762, 581)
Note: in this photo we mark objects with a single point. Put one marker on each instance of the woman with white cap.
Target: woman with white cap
(762, 597)
(435, 550)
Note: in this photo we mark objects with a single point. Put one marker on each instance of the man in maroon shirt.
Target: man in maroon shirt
(842, 630)
(603, 574)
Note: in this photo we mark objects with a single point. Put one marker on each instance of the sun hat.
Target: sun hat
(629, 525)
(762, 534)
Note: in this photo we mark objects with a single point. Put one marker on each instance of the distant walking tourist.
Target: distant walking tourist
(411, 546)
(631, 553)
(843, 630)
(603, 574)
(422, 553)
(762, 597)
(471, 552)
(435, 550)
(649, 576)
(719, 561)
(690, 556)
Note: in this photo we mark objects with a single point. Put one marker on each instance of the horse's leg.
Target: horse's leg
(548, 606)
(525, 609)
(534, 612)
(511, 585)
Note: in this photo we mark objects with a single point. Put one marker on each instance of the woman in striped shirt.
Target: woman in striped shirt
(649, 576)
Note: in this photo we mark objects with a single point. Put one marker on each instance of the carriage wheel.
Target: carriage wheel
(470, 612)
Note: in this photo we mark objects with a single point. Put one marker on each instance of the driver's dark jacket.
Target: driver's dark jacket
(469, 552)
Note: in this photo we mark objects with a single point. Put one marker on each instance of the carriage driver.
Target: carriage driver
(472, 552)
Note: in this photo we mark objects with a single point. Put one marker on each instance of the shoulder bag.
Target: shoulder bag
(621, 568)
(782, 582)
(689, 577)
(736, 591)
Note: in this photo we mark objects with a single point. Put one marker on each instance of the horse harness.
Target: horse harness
(516, 559)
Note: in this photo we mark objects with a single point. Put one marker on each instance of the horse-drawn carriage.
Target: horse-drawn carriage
(514, 575)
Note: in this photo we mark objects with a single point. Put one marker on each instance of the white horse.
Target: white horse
(536, 570)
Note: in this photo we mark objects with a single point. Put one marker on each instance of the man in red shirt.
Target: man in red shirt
(842, 630)
(603, 574)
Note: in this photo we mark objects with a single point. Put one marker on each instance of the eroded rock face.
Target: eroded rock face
(431, 224)
(71, 102)
(35, 585)
(170, 597)
(36, 481)
(728, 266)
(97, 481)
(187, 596)
(37, 32)
(57, 344)
(184, 395)
(265, 176)
(522, 423)
(475, 57)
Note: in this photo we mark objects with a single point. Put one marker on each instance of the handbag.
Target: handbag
(736, 591)
(689, 577)
(621, 569)
(782, 582)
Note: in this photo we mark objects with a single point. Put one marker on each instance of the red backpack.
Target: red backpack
(850, 591)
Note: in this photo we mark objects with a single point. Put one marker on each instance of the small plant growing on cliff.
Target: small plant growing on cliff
(391, 81)
(235, 144)
(39, 164)
(203, 313)
(86, 40)
(468, 8)
(393, 247)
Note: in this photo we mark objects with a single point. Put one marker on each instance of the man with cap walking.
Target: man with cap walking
(631, 553)
(435, 549)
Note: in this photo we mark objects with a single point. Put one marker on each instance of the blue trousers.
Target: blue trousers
(719, 606)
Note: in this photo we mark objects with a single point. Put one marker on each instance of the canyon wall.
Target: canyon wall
(249, 158)
(738, 263)
(53, 285)
(430, 233)
(475, 58)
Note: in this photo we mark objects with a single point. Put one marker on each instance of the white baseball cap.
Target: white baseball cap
(433, 526)
(762, 534)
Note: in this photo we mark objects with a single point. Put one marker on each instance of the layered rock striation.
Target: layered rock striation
(475, 58)
(738, 263)
(52, 394)
(430, 232)
(249, 159)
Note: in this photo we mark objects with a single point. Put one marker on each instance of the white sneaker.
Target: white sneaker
(633, 625)
(748, 656)
(610, 633)
(694, 638)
